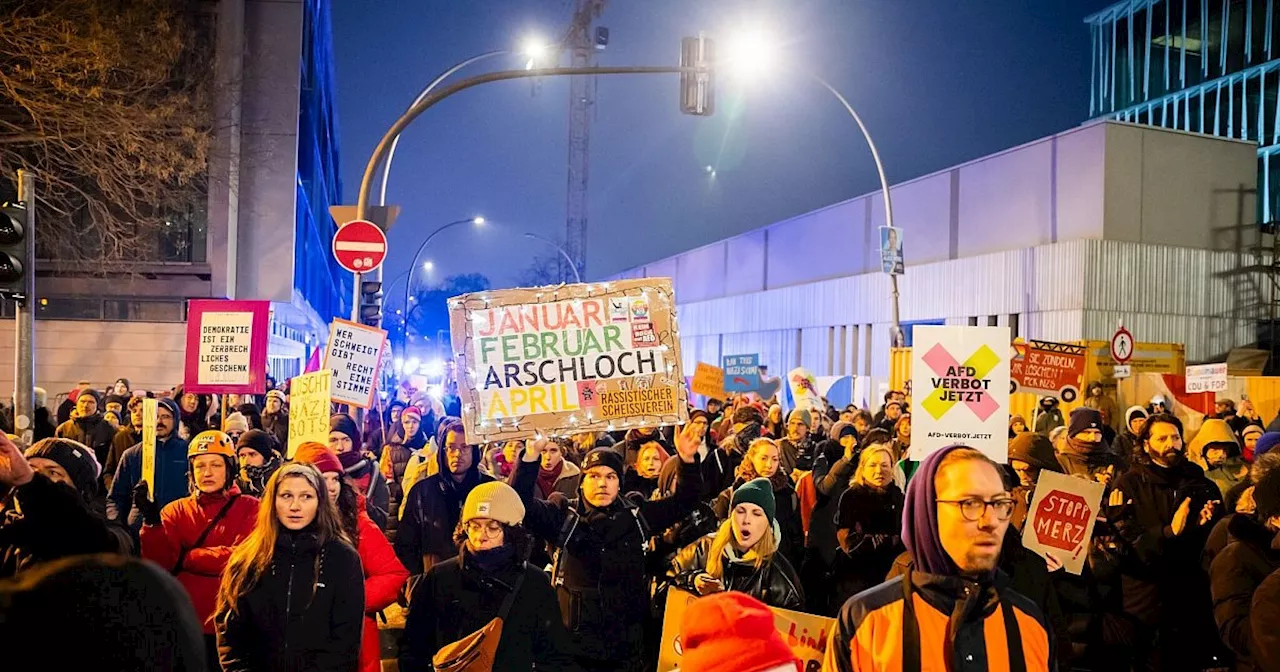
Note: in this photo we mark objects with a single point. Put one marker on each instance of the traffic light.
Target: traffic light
(371, 303)
(697, 89)
(15, 263)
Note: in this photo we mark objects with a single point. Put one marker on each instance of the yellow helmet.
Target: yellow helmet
(211, 442)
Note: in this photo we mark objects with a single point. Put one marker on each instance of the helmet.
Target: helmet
(212, 442)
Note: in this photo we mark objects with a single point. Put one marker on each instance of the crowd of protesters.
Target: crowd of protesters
(559, 553)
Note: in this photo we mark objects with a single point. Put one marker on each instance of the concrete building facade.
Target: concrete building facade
(263, 235)
(1058, 239)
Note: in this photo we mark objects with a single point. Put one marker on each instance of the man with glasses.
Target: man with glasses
(1164, 508)
(952, 609)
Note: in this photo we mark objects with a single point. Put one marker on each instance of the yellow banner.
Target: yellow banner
(806, 634)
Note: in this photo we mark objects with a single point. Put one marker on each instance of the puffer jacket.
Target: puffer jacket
(775, 582)
(383, 578)
(303, 615)
(174, 539)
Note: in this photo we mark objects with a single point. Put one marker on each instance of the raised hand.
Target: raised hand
(14, 469)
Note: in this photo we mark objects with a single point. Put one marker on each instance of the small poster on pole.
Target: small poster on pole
(150, 407)
(1060, 519)
(227, 347)
(309, 404)
(891, 261)
(708, 381)
(741, 373)
(354, 353)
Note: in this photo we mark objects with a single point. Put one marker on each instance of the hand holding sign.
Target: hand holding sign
(1061, 518)
(687, 442)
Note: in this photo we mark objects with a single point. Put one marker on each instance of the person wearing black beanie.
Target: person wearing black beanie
(360, 467)
(259, 457)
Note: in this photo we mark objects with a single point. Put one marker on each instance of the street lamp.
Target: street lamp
(408, 285)
(576, 276)
(533, 48)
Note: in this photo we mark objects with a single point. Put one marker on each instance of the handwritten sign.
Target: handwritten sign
(708, 381)
(741, 373)
(567, 359)
(806, 634)
(1207, 378)
(1047, 368)
(960, 390)
(227, 347)
(1061, 517)
(150, 408)
(309, 404)
(804, 390)
(354, 353)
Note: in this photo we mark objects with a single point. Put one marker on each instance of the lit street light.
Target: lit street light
(427, 266)
(408, 285)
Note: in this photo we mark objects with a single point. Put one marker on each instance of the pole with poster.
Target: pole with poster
(149, 410)
(309, 404)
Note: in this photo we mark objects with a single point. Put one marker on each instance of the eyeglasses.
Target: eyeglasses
(974, 508)
(493, 527)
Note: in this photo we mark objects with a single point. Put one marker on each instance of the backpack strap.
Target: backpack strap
(515, 591)
(566, 533)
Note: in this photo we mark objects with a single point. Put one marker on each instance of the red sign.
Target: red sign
(226, 347)
(1122, 346)
(359, 246)
(1062, 520)
(1041, 367)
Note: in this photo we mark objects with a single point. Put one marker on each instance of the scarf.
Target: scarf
(493, 559)
(547, 479)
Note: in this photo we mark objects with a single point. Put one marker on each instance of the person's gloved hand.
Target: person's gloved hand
(142, 502)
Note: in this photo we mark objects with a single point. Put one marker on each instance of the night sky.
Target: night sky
(938, 83)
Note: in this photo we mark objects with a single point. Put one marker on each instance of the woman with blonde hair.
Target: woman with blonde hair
(743, 555)
(292, 595)
(763, 460)
(868, 523)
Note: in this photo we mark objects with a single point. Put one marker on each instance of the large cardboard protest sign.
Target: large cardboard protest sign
(708, 381)
(354, 355)
(568, 359)
(1061, 516)
(226, 347)
(960, 389)
(309, 404)
(1047, 368)
(741, 373)
(149, 409)
(806, 634)
(804, 390)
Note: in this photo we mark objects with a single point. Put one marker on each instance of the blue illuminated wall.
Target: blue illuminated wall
(316, 276)
(1205, 66)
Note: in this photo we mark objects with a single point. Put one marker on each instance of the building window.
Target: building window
(1013, 325)
(146, 311)
(69, 309)
(908, 329)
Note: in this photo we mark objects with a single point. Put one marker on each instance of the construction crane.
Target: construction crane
(581, 40)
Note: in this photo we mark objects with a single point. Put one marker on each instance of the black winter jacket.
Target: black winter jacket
(787, 515)
(1151, 494)
(775, 583)
(456, 597)
(869, 527)
(431, 513)
(600, 573)
(55, 522)
(306, 613)
(1234, 576)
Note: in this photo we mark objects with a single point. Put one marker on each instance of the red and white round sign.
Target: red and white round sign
(1122, 346)
(359, 246)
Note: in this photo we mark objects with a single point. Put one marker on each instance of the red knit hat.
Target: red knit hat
(319, 456)
(412, 410)
(732, 632)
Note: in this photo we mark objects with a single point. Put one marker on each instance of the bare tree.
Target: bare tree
(542, 270)
(110, 102)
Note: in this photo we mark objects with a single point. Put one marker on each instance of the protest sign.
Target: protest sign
(806, 634)
(804, 390)
(226, 347)
(1207, 378)
(708, 381)
(568, 359)
(149, 409)
(891, 250)
(353, 355)
(741, 373)
(1060, 519)
(1046, 368)
(309, 404)
(960, 389)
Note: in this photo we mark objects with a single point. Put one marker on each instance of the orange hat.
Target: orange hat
(732, 632)
(319, 456)
(212, 442)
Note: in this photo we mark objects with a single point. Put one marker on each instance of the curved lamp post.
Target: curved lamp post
(408, 285)
(577, 277)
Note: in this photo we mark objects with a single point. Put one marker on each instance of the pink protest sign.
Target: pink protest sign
(227, 347)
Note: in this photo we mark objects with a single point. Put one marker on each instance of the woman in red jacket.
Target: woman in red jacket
(193, 537)
(383, 573)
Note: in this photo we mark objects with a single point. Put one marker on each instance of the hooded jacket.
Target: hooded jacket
(1127, 444)
(933, 615)
(775, 582)
(304, 614)
(458, 597)
(599, 570)
(174, 539)
(1048, 416)
(431, 513)
(1235, 575)
(383, 578)
(171, 479)
(125, 438)
(1212, 431)
(1103, 403)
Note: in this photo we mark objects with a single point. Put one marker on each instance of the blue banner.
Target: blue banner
(741, 373)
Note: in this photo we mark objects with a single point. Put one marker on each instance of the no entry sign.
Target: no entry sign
(359, 246)
(1061, 517)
